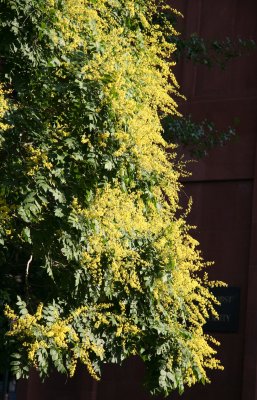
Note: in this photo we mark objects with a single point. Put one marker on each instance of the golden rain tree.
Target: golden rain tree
(93, 240)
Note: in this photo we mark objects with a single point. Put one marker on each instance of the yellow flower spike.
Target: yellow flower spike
(4, 107)
(38, 314)
(72, 366)
(9, 313)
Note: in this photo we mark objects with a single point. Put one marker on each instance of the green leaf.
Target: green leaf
(58, 212)
(26, 234)
(108, 165)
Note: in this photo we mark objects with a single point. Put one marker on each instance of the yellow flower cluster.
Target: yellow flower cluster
(136, 82)
(3, 108)
(35, 158)
(122, 218)
(121, 215)
(61, 334)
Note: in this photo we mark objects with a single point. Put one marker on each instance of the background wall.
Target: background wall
(224, 189)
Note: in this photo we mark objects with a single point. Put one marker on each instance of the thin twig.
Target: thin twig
(27, 276)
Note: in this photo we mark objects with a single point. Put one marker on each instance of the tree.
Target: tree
(93, 239)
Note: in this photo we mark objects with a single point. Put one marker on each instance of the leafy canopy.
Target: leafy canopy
(92, 236)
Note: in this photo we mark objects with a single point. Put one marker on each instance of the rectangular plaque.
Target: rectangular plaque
(228, 319)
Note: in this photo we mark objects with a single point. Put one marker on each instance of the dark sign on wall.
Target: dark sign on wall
(228, 319)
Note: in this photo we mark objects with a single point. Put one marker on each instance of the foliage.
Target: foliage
(199, 137)
(212, 52)
(93, 240)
